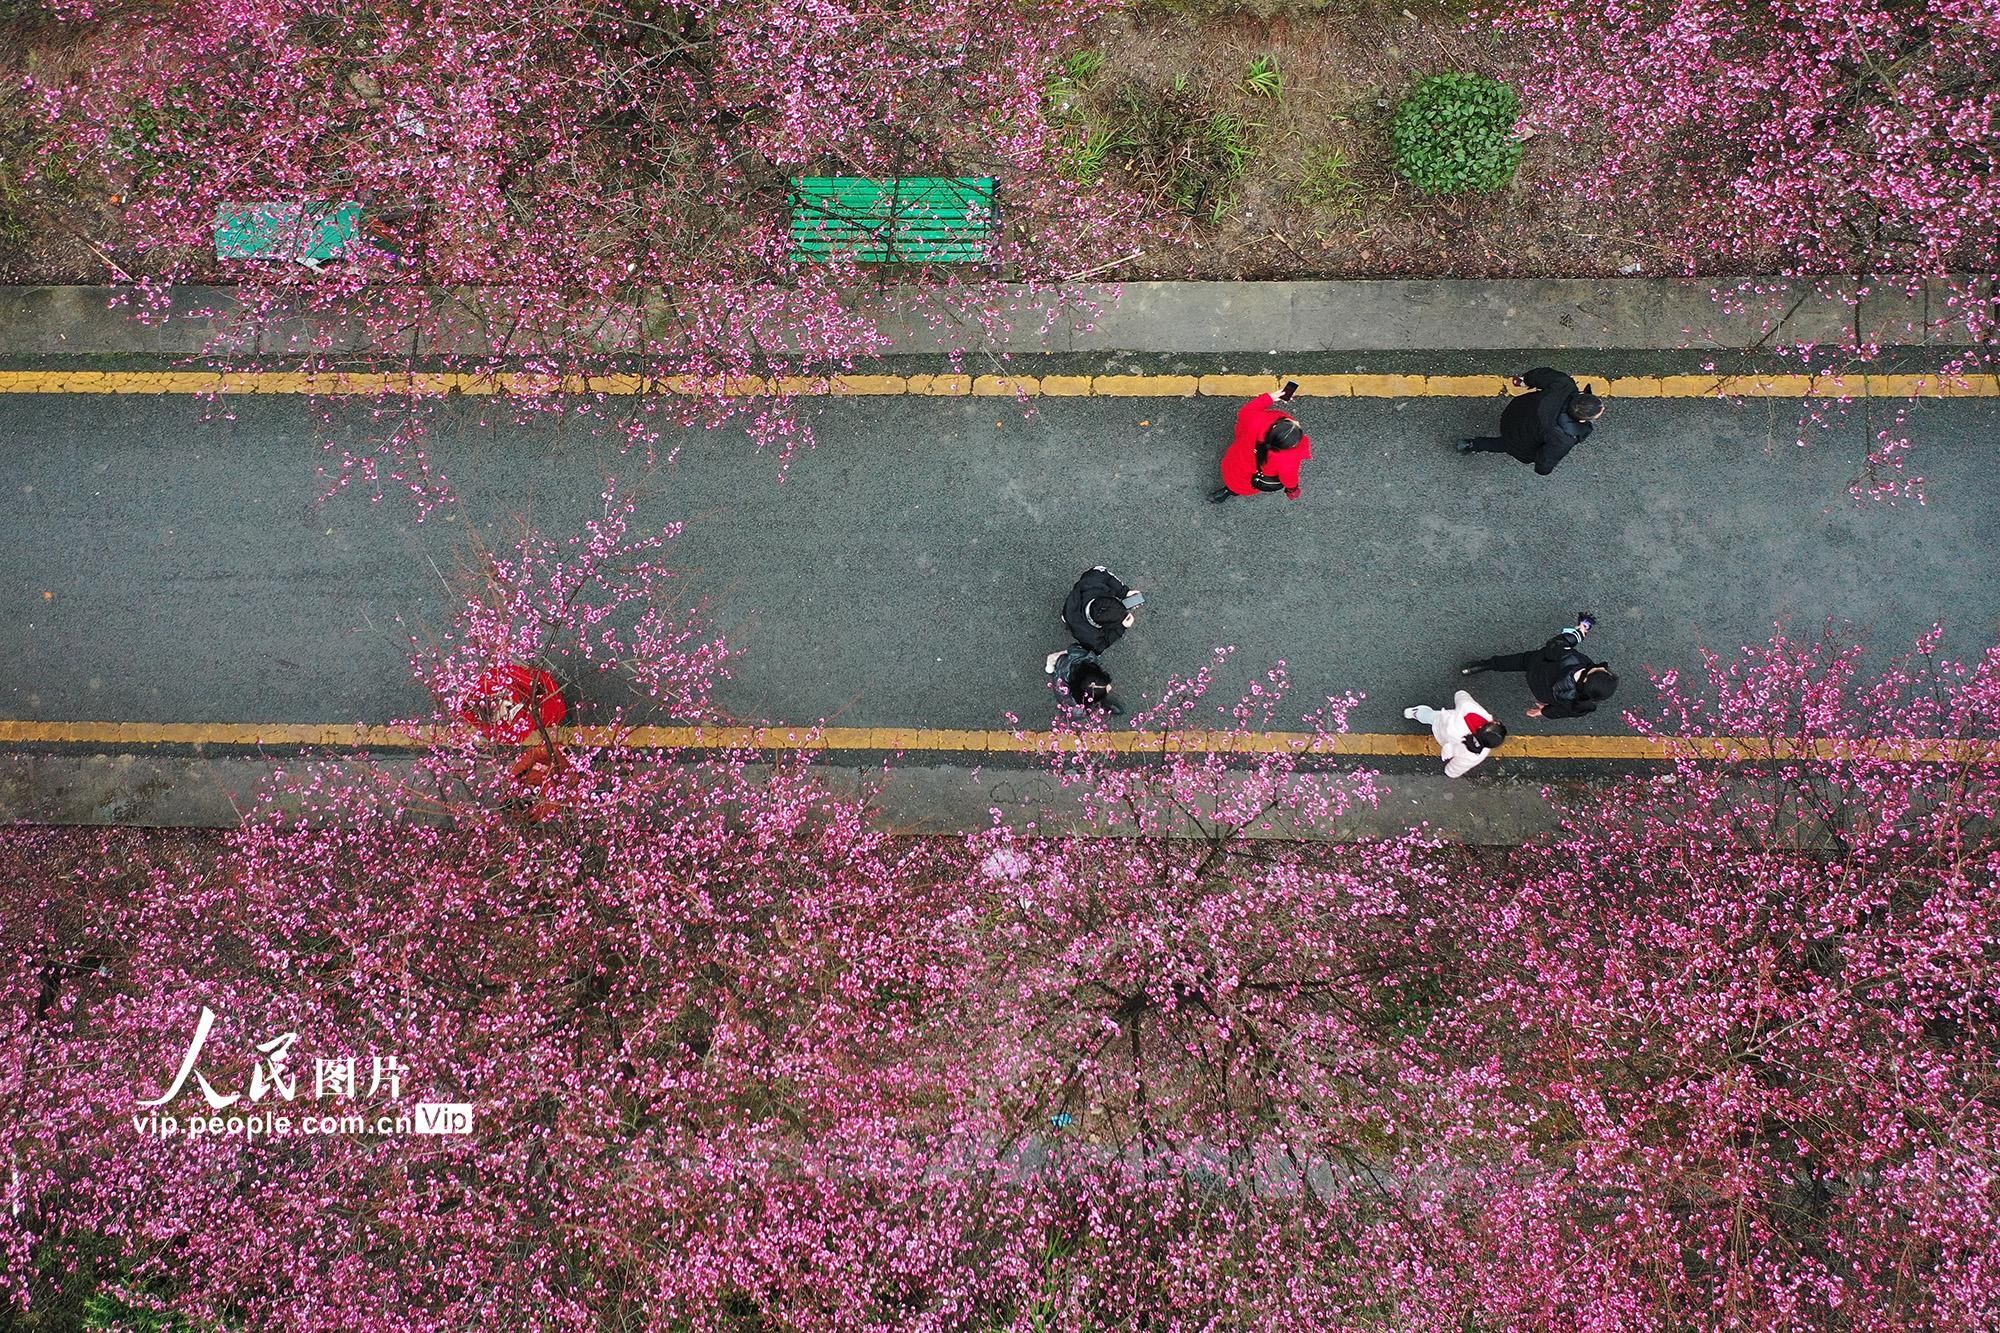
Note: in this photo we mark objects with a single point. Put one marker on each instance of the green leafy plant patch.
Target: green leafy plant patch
(1454, 134)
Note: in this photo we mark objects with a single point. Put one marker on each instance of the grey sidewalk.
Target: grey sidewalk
(1179, 317)
(909, 797)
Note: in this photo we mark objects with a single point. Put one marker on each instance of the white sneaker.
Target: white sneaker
(1410, 713)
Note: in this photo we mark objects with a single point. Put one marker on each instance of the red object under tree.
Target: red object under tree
(510, 703)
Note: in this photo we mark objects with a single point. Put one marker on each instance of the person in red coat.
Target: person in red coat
(512, 702)
(1267, 451)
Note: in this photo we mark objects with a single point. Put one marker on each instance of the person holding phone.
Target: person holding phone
(1100, 608)
(1564, 682)
(1268, 449)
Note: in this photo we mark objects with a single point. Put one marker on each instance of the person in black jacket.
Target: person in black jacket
(1099, 609)
(1077, 675)
(1540, 428)
(1564, 682)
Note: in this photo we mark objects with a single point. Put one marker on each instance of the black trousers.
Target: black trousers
(1505, 662)
(1493, 444)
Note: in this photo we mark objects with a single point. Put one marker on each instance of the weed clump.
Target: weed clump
(1454, 134)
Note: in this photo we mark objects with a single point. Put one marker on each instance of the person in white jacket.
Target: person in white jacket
(1466, 732)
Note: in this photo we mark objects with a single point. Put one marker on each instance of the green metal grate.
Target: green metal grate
(309, 233)
(907, 220)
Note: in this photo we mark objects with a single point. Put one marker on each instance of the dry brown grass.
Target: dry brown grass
(1320, 197)
(57, 223)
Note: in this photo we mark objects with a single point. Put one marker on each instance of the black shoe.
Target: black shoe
(1463, 446)
(1472, 669)
(1219, 494)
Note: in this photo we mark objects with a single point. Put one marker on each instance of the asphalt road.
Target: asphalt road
(164, 563)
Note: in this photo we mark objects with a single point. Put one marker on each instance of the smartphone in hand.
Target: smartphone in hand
(1285, 394)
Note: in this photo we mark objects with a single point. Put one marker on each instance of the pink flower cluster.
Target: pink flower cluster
(1809, 136)
(1848, 139)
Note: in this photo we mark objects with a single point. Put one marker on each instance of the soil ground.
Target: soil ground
(1319, 196)
(51, 225)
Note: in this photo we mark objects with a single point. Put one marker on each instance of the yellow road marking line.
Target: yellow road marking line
(431, 384)
(945, 741)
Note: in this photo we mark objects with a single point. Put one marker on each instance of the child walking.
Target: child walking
(1465, 732)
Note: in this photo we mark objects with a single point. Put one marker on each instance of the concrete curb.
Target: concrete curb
(1160, 317)
(146, 791)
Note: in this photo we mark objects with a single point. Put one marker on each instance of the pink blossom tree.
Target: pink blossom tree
(571, 189)
(1809, 137)
(1749, 1014)
(1805, 137)
(734, 1053)
(686, 978)
(1211, 1032)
